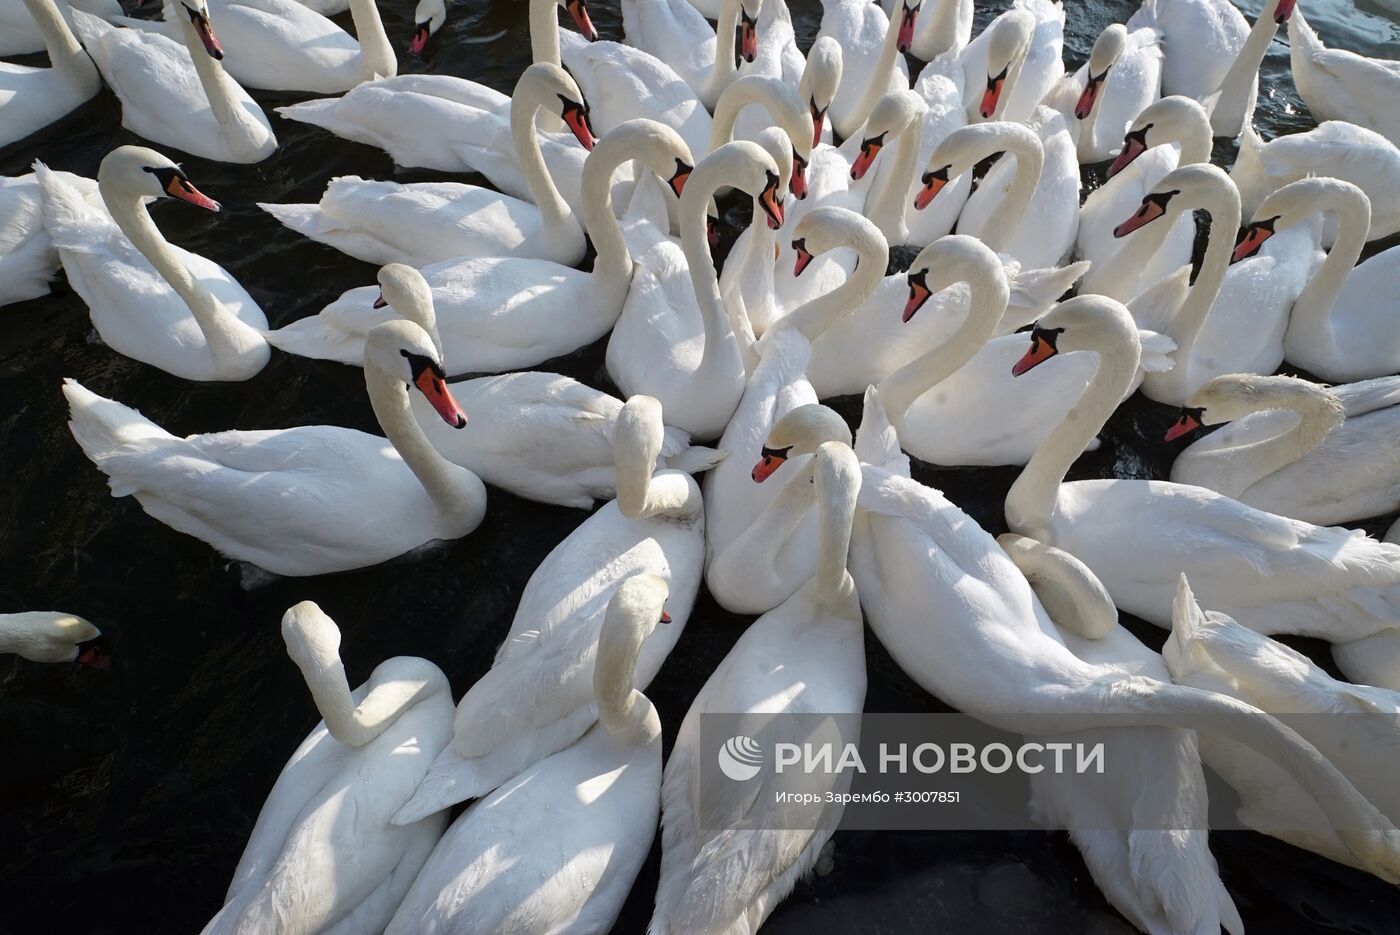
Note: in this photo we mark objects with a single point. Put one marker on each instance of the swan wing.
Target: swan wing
(1365, 396)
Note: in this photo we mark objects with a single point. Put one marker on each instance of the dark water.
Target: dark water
(127, 795)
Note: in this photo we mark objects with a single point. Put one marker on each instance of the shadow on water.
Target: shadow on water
(129, 794)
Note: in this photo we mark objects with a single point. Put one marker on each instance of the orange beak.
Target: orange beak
(933, 184)
(1134, 145)
(576, 119)
(992, 95)
(1187, 423)
(798, 184)
(420, 39)
(379, 302)
(818, 119)
(772, 202)
(182, 189)
(665, 617)
(748, 37)
(1250, 240)
(918, 294)
(92, 655)
(1085, 106)
(804, 257)
(434, 389)
(1284, 11)
(712, 232)
(909, 15)
(868, 151)
(1040, 351)
(1149, 212)
(681, 176)
(770, 462)
(206, 34)
(579, 11)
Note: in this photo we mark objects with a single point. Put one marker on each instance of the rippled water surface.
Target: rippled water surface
(128, 794)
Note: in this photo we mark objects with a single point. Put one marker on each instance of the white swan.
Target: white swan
(155, 77)
(32, 98)
(777, 56)
(1040, 181)
(960, 618)
(759, 546)
(1352, 725)
(428, 17)
(1101, 100)
(946, 26)
(1273, 574)
(505, 313)
(50, 636)
(28, 259)
(807, 656)
(871, 59)
(322, 855)
(784, 109)
(1168, 134)
(429, 222)
(1338, 84)
(20, 33)
(1232, 319)
(1295, 448)
(284, 45)
(1336, 149)
(541, 436)
(1341, 327)
(1015, 62)
(310, 500)
(675, 33)
(674, 339)
(1201, 42)
(148, 299)
(538, 696)
(558, 847)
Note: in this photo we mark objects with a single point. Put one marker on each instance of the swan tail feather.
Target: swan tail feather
(696, 459)
(311, 337)
(305, 219)
(68, 218)
(1035, 290)
(319, 113)
(877, 442)
(102, 427)
(450, 780)
(1157, 350)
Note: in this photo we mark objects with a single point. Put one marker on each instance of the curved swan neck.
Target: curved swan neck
(1318, 414)
(524, 132)
(237, 125)
(624, 712)
(837, 482)
(641, 492)
(707, 178)
(356, 725)
(1224, 209)
(612, 269)
(226, 335)
(783, 105)
(1032, 498)
(1238, 87)
(1312, 310)
(544, 31)
(987, 301)
(999, 229)
(451, 488)
(377, 59)
(816, 316)
(889, 200)
(722, 72)
(63, 47)
(942, 28)
(879, 82)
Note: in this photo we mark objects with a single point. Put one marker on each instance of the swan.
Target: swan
(428, 17)
(1340, 328)
(1337, 84)
(947, 26)
(1273, 574)
(1201, 40)
(871, 56)
(940, 86)
(677, 343)
(322, 856)
(311, 500)
(538, 697)
(804, 657)
(50, 636)
(784, 109)
(675, 33)
(505, 313)
(428, 222)
(759, 548)
(1043, 183)
(1335, 149)
(1169, 133)
(20, 33)
(958, 615)
(777, 56)
(558, 847)
(1122, 77)
(1352, 725)
(32, 98)
(1295, 448)
(148, 299)
(155, 77)
(1232, 320)
(28, 259)
(1015, 62)
(541, 436)
(284, 45)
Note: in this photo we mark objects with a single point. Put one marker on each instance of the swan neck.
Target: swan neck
(1000, 227)
(524, 132)
(356, 725)
(696, 247)
(724, 69)
(1312, 310)
(612, 268)
(889, 201)
(731, 103)
(1316, 420)
(837, 481)
(1238, 88)
(1032, 498)
(815, 317)
(624, 711)
(544, 31)
(443, 480)
(377, 59)
(1186, 324)
(642, 492)
(63, 47)
(237, 125)
(878, 84)
(942, 31)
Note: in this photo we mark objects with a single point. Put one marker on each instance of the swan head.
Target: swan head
(428, 18)
(742, 165)
(1107, 49)
(195, 15)
(948, 261)
(908, 20)
(802, 431)
(1082, 323)
(403, 288)
(145, 173)
(829, 227)
(748, 28)
(1235, 395)
(403, 351)
(637, 607)
(1007, 46)
(1184, 189)
(312, 638)
(49, 636)
(785, 109)
(1169, 120)
(966, 146)
(659, 147)
(546, 86)
(578, 10)
(820, 79)
(894, 114)
(778, 144)
(1296, 203)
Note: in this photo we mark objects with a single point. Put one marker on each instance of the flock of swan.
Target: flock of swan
(971, 356)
